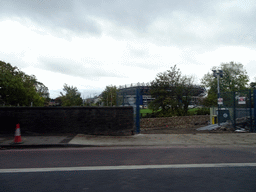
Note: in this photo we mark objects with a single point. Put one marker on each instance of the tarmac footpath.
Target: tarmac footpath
(37, 142)
(81, 140)
(202, 139)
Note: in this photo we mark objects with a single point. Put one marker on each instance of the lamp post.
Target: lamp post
(218, 74)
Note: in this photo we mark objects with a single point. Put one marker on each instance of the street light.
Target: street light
(218, 74)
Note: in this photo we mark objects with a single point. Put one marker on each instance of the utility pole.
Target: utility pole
(218, 74)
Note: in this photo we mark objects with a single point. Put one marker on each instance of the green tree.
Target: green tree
(172, 92)
(37, 92)
(42, 90)
(234, 78)
(17, 88)
(253, 84)
(109, 95)
(72, 97)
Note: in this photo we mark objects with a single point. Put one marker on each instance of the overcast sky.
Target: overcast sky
(91, 44)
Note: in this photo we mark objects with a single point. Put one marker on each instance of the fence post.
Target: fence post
(117, 97)
(234, 97)
(250, 101)
(123, 98)
(137, 110)
(254, 99)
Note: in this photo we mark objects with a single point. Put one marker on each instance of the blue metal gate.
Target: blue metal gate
(133, 96)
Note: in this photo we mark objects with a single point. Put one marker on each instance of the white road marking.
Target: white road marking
(127, 167)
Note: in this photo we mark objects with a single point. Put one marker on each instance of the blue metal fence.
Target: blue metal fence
(131, 96)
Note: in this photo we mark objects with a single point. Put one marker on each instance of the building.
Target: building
(127, 94)
(53, 102)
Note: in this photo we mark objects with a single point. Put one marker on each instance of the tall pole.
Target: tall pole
(137, 110)
(218, 74)
(254, 98)
(218, 81)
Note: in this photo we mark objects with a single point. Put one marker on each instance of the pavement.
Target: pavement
(81, 140)
(210, 127)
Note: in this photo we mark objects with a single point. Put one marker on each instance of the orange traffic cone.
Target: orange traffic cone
(17, 138)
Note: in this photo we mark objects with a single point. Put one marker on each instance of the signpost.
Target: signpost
(241, 101)
(220, 101)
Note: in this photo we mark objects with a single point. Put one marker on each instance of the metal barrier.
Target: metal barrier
(131, 97)
(237, 107)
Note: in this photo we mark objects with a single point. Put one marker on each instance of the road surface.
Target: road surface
(129, 169)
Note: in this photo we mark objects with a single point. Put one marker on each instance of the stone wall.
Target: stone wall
(177, 122)
(87, 120)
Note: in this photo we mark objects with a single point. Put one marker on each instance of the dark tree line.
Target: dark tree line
(20, 89)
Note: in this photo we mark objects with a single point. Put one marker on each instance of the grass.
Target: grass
(193, 110)
(144, 111)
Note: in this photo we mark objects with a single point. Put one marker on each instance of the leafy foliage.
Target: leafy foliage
(172, 93)
(203, 111)
(109, 96)
(234, 78)
(72, 97)
(199, 111)
(17, 88)
(253, 84)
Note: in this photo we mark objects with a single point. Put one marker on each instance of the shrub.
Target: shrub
(203, 111)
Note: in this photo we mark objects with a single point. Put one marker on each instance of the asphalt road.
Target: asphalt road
(129, 169)
(101, 156)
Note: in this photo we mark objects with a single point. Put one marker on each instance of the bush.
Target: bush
(203, 111)
(192, 111)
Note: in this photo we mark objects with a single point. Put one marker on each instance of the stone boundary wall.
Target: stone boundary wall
(177, 121)
(86, 120)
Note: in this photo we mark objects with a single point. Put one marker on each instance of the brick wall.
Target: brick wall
(178, 122)
(87, 120)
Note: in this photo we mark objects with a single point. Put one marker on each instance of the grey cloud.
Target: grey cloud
(239, 29)
(233, 27)
(55, 15)
(138, 53)
(75, 69)
(136, 14)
